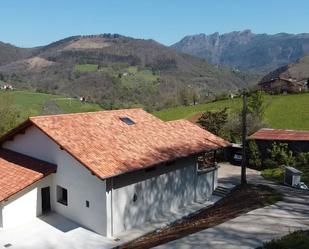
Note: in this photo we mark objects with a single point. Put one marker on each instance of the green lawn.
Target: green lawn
(85, 68)
(73, 106)
(30, 103)
(295, 240)
(188, 111)
(283, 111)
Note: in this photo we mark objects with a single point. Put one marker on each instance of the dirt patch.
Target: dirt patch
(240, 201)
(195, 117)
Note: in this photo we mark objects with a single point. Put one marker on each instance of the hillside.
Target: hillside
(283, 111)
(298, 71)
(30, 103)
(245, 50)
(10, 53)
(118, 71)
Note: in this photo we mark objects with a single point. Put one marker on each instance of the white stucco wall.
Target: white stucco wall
(166, 189)
(81, 185)
(25, 205)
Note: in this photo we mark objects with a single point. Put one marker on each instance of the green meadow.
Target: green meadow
(282, 111)
(31, 103)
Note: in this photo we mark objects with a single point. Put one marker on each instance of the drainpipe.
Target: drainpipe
(112, 218)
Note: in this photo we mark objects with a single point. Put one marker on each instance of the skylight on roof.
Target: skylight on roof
(127, 120)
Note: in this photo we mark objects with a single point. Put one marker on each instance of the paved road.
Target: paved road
(251, 229)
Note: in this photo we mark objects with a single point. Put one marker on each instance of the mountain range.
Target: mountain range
(245, 50)
(117, 71)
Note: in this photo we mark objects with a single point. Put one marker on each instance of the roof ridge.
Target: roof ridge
(82, 113)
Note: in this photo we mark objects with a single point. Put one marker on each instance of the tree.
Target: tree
(214, 121)
(184, 96)
(9, 115)
(256, 105)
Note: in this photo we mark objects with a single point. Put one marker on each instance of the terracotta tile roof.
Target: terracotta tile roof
(278, 134)
(18, 172)
(107, 146)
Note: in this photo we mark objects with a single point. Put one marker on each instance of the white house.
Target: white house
(108, 171)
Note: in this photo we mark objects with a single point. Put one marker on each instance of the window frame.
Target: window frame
(206, 161)
(62, 195)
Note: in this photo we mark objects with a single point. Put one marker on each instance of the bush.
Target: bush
(254, 155)
(303, 158)
(269, 164)
(214, 121)
(280, 153)
(276, 174)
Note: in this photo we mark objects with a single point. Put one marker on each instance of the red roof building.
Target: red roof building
(108, 171)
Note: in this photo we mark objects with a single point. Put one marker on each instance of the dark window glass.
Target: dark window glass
(127, 120)
(62, 195)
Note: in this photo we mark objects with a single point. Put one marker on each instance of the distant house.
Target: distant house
(282, 85)
(108, 171)
(298, 141)
(6, 87)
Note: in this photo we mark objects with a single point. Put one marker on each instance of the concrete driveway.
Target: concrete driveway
(53, 232)
(252, 229)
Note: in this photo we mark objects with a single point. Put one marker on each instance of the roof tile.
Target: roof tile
(107, 146)
(18, 172)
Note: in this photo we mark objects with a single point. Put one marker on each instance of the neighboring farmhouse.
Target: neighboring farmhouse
(282, 85)
(108, 171)
(298, 141)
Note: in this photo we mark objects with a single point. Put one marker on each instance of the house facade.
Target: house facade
(108, 171)
(281, 85)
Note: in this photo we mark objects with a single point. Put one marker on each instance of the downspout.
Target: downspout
(112, 218)
(195, 178)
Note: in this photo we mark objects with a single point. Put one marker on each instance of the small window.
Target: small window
(207, 160)
(87, 204)
(127, 120)
(62, 195)
(134, 199)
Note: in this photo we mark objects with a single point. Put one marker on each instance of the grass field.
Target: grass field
(85, 68)
(30, 103)
(283, 111)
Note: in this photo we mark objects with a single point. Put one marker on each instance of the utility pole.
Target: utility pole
(244, 137)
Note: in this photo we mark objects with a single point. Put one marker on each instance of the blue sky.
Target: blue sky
(29, 23)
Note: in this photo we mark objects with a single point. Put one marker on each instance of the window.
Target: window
(62, 195)
(134, 199)
(127, 120)
(207, 160)
(87, 204)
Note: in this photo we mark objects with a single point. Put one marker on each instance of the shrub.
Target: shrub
(269, 164)
(214, 121)
(254, 155)
(303, 158)
(280, 153)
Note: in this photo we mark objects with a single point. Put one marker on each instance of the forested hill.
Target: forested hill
(118, 71)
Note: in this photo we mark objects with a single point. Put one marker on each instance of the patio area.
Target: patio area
(53, 231)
